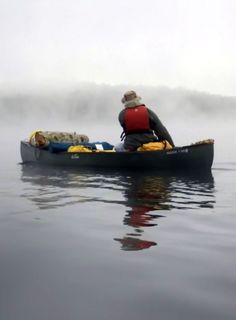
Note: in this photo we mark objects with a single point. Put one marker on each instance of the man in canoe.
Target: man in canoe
(140, 124)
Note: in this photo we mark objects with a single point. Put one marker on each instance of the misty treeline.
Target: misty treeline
(103, 102)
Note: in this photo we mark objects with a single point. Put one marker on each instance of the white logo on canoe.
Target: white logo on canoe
(75, 156)
(185, 150)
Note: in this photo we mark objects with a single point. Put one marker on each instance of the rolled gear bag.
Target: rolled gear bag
(44, 138)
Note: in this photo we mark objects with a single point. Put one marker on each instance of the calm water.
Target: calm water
(82, 245)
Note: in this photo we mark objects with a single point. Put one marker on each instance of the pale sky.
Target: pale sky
(174, 43)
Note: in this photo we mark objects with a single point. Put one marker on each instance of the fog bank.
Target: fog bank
(103, 102)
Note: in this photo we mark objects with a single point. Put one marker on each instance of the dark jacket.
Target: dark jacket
(157, 133)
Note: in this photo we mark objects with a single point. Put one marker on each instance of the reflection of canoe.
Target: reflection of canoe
(192, 157)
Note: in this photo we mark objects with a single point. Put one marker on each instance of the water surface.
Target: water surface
(112, 245)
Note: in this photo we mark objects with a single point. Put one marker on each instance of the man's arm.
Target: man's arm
(159, 129)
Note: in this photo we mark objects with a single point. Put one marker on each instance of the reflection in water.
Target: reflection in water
(131, 243)
(146, 196)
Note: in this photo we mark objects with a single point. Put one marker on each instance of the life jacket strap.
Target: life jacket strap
(122, 136)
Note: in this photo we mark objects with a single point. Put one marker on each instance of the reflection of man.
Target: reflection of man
(151, 192)
(139, 217)
(132, 244)
(145, 194)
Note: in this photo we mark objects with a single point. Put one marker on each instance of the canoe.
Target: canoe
(198, 156)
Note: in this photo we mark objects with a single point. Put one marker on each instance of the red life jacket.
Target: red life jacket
(136, 119)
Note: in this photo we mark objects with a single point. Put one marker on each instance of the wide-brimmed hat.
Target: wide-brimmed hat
(131, 99)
